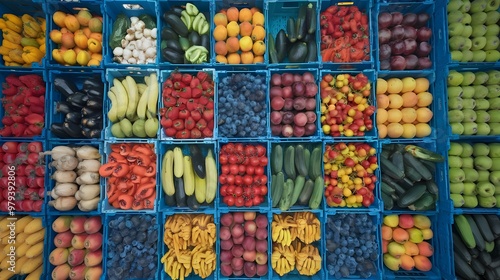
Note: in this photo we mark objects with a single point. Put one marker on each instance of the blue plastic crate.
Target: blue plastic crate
(51, 183)
(376, 220)
(129, 8)
(22, 175)
(377, 204)
(32, 8)
(310, 145)
(204, 6)
(371, 134)
(315, 73)
(218, 244)
(240, 93)
(21, 72)
(96, 8)
(264, 206)
(277, 14)
(415, 7)
(77, 78)
(120, 74)
(165, 74)
(364, 6)
(109, 217)
(163, 148)
(106, 207)
(50, 234)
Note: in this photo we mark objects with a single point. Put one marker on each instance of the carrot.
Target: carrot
(145, 150)
(125, 149)
(142, 159)
(116, 157)
(107, 169)
(116, 204)
(121, 170)
(132, 189)
(149, 202)
(143, 192)
(125, 201)
(151, 170)
(137, 205)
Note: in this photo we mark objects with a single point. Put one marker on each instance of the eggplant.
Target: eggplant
(205, 41)
(172, 56)
(170, 200)
(94, 93)
(73, 130)
(73, 117)
(91, 132)
(180, 194)
(78, 99)
(58, 130)
(93, 83)
(64, 107)
(168, 34)
(65, 87)
(193, 203)
(94, 123)
(90, 112)
(197, 160)
(94, 103)
(176, 10)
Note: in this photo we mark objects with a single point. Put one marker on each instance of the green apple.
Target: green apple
(455, 16)
(484, 175)
(456, 149)
(468, 92)
(456, 29)
(478, 56)
(454, 161)
(470, 128)
(454, 5)
(456, 55)
(478, 18)
(457, 188)
(469, 116)
(465, 6)
(482, 116)
(492, 56)
(470, 201)
(467, 55)
(455, 103)
(492, 30)
(457, 43)
(482, 162)
(457, 128)
(454, 92)
(458, 200)
(469, 189)
(494, 116)
(481, 78)
(492, 43)
(496, 164)
(480, 149)
(495, 128)
(497, 190)
(471, 175)
(455, 116)
(482, 104)
(492, 5)
(478, 30)
(467, 151)
(478, 6)
(494, 77)
(485, 189)
(497, 198)
(492, 17)
(478, 43)
(483, 129)
(455, 78)
(494, 150)
(495, 178)
(494, 103)
(468, 103)
(457, 175)
(487, 202)
(468, 44)
(493, 91)
(468, 162)
(469, 78)
(467, 20)
(467, 32)
(480, 91)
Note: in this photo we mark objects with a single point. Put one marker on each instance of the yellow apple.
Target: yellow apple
(70, 57)
(83, 57)
(94, 46)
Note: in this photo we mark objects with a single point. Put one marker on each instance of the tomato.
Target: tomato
(257, 200)
(238, 191)
(223, 159)
(263, 161)
(239, 201)
(254, 161)
(250, 150)
(261, 180)
(250, 170)
(241, 169)
(366, 202)
(10, 147)
(224, 169)
(256, 190)
(261, 150)
(233, 159)
(37, 205)
(4, 206)
(229, 147)
(247, 180)
(230, 179)
(259, 170)
(239, 149)
(263, 190)
(238, 180)
(248, 203)
(233, 169)
(247, 191)
(230, 190)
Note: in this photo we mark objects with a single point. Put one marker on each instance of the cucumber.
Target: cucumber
(170, 200)
(388, 168)
(290, 29)
(273, 55)
(281, 45)
(312, 52)
(301, 23)
(432, 187)
(425, 202)
(411, 173)
(387, 189)
(286, 198)
(306, 193)
(278, 192)
(298, 52)
(388, 202)
(415, 163)
(277, 159)
(412, 195)
(300, 162)
(311, 19)
(399, 190)
(297, 189)
(397, 158)
(307, 158)
(180, 194)
(318, 192)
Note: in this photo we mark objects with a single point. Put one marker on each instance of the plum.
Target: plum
(261, 234)
(226, 269)
(261, 246)
(250, 227)
(237, 251)
(250, 269)
(226, 256)
(238, 217)
(237, 230)
(225, 233)
(261, 221)
(226, 220)
(237, 263)
(226, 244)
(249, 243)
(262, 269)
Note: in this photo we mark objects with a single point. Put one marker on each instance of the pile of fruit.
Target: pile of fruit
(474, 174)
(79, 40)
(350, 174)
(81, 106)
(296, 176)
(408, 177)
(475, 243)
(242, 176)
(298, 42)
(189, 179)
(131, 176)
(188, 105)
(134, 106)
(404, 41)
(243, 244)
(405, 242)
(294, 236)
(22, 177)
(77, 253)
(402, 107)
(242, 110)
(186, 39)
(293, 104)
(351, 246)
(190, 241)
(345, 105)
(132, 247)
(23, 40)
(76, 178)
(24, 106)
(473, 30)
(473, 102)
(239, 36)
(345, 34)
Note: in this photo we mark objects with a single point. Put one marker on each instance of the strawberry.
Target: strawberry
(202, 76)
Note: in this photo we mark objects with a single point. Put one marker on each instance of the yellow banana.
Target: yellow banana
(6, 274)
(35, 275)
(11, 35)
(32, 264)
(211, 177)
(36, 237)
(33, 226)
(20, 263)
(22, 249)
(142, 105)
(167, 175)
(152, 102)
(22, 223)
(188, 176)
(112, 110)
(178, 162)
(133, 97)
(35, 250)
(121, 98)
(200, 188)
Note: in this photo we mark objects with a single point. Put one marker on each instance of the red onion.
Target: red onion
(276, 79)
(287, 130)
(298, 89)
(276, 117)
(310, 104)
(299, 131)
(287, 92)
(308, 77)
(297, 78)
(311, 89)
(276, 92)
(384, 20)
(287, 79)
(310, 129)
(275, 129)
(288, 104)
(287, 118)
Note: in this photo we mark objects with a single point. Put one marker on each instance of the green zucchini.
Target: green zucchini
(193, 203)
(432, 187)
(422, 153)
(291, 31)
(389, 181)
(397, 158)
(298, 52)
(273, 55)
(300, 162)
(180, 194)
(387, 189)
(277, 159)
(388, 168)
(311, 19)
(297, 189)
(176, 23)
(386, 153)
(301, 23)
(278, 192)
(406, 183)
(312, 51)
(425, 202)
(431, 166)
(412, 195)
(415, 163)
(412, 174)
(281, 45)
(388, 202)
(306, 192)
(286, 197)
(318, 192)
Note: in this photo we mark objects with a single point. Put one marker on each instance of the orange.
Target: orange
(258, 19)
(424, 99)
(220, 33)
(221, 59)
(259, 48)
(220, 48)
(254, 10)
(220, 19)
(258, 33)
(245, 15)
(247, 57)
(232, 44)
(233, 58)
(395, 130)
(233, 29)
(246, 44)
(258, 59)
(246, 28)
(232, 14)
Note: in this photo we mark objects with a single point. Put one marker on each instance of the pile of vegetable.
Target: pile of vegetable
(189, 179)
(132, 250)
(79, 39)
(296, 176)
(405, 242)
(239, 35)
(190, 241)
(346, 108)
(76, 178)
(22, 177)
(404, 41)
(474, 174)
(243, 176)
(473, 102)
(134, 107)
(408, 177)
(476, 239)
(77, 253)
(24, 106)
(296, 243)
(293, 104)
(81, 106)
(22, 247)
(133, 40)
(345, 34)
(351, 246)
(188, 106)
(243, 244)
(298, 43)
(186, 38)
(350, 174)
(242, 105)
(23, 40)
(131, 176)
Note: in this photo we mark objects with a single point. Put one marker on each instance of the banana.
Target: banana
(121, 99)
(178, 162)
(31, 265)
(465, 231)
(33, 226)
(141, 88)
(22, 223)
(112, 116)
(142, 105)
(289, 162)
(133, 97)
(35, 250)
(152, 102)
(188, 176)
(211, 177)
(200, 188)
(22, 249)
(36, 237)
(167, 174)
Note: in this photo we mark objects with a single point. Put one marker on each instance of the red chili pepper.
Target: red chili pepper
(35, 119)
(332, 9)
(35, 129)
(202, 76)
(18, 129)
(14, 80)
(6, 131)
(32, 80)
(8, 89)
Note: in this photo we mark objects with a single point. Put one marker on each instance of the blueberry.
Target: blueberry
(340, 262)
(350, 252)
(338, 275)
(332, 258)
(344, 242)
(345, 271)
(121, 225)
(342, 256)
(338, 251)
(344, 250)
(152, 266)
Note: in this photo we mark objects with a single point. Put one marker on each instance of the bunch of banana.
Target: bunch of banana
(282, 229)
(133, 110)
(283, 259)
(177, 264)
(203, 230)
(29, 237)
(203, 261)
(308, 227)
(308, 260)
(178, 231)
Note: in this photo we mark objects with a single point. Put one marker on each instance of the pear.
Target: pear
(457, 128)
(478, 30)
(455, 16)
(468, 78)
(468, 103)
(454, 162)
(454, 5)
(478, 18)
(456, 149)
(469, 115)
(455, 103)
(492, 56)
(482, 116)
(457, 188)
(457, 43)
(480, 91)
(469, 189)
(467, 162)
(484, 175)
(456, 29)
(495, 177)
(467, 55)
(482, 104)
(493, 91)
(455, 92)
(471, 175)
(478, 6)
(470, 201)
(455, 116)
(470, 128)
(458, 200)
(468, 92)
(492, 43)
(494, 77)
(492, 30)
(495, 103)
(456, 55)
(478, 43)
(480, 149)
(467, 19)
(483, 129)
(494, 150)
(457, 175)
(481, 78)
(492, 17)
(455, 78)
(468, 44)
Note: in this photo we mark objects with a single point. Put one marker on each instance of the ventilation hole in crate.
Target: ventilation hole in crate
(133, 7)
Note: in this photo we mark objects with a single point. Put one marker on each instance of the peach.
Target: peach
(424, 99)
(87, 31)
(68, 40)
(56, 36)
(411, 248)
(395, 249)
(422, 263)
(76, 257)
(416, 235)
(93, 273)
(410, 99)
(84, 17)
(79, 240)
(77, 272)
(93, 258)
(95, 25)
(407, 262)
(92, 224)
(395, 101)
(57, 55)
(95, 35)
(427, 233)
(63, 239)
(384, 245)
(94, 45)
(59, 256)
(405, 221)
(424, 115)
(400, 235)
(382, 101)
(71, 22)
(386, 232)
(61, 272)
(94, 62)
(77, 225)
(61, 224)
(58, 18)
(93, 242)
(391, 262)
(425, 249)
(421, 221)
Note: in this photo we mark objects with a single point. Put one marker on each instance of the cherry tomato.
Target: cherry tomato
(259, 170)
(230, 201)
(230, 190)
(250, 170)
(249, 203)
(223, 179)
(230, 179)
(257, 200)
(224, 169)
(254, 161)
(223, 190)
(228, 148)
(263, 190)
(256, 190)
(247, 180)
(247, 191)
(261, 180)
(239, 148)
(366, 202)
(261, 150)
(362, 191)
(372, 159)
(241, 169)
(233, 159)
(238, 180)
(263, 161)
(223, 159)
(233, 169)
(239, 202)
(238, 191)
(250, 150)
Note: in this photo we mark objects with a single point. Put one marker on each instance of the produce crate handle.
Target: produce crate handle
(133, 7)
(345, 3)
